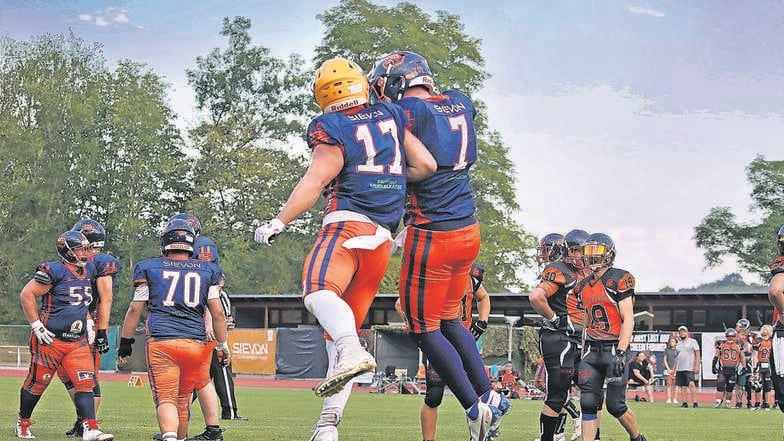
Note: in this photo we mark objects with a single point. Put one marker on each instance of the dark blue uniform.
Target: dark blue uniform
(64, 308)
(105, 265)
(178, 291)
(373, 179)
(445, 125)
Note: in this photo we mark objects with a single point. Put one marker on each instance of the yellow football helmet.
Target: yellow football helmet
(339, 84)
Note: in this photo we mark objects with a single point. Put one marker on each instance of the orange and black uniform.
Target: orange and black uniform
(729, 355)
(762, 365)
(560, 347)
(600, 299)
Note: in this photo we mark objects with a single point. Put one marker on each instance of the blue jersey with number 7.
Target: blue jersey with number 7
(445, 124)
(178, 293)
(373, 179)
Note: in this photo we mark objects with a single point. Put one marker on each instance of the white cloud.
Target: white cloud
(639, 10)
(599, 158)
(122, 17)
(85, 17)
(101, 22)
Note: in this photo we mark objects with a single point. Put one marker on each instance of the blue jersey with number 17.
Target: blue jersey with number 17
(445, 125)
(178, 293)
(373, 179)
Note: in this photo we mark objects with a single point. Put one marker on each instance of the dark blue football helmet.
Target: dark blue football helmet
(70, 241)
(191, 219)
(551, 249)
(92, 230)
(394, 73)
(598, 251)
(177, 235)
(575, 240)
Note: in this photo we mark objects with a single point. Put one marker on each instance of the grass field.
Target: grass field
(287, 415)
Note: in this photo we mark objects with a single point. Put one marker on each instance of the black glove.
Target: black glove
(618, 363)
(715, 365)
(101, 341)
(551, 324)
(125, 349)
(477, 274)
(478, 328)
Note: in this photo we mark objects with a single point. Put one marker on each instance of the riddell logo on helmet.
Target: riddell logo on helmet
(337, 107)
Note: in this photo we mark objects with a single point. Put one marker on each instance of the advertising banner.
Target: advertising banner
(253, 351)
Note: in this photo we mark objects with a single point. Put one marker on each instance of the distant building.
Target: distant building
(709, 311)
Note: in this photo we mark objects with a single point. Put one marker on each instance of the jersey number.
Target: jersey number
(190, 290)
(458, 124)
(599, 317)
(363, 135)
(82, 295)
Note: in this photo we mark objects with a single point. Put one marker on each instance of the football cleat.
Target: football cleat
(325, 433)
(96, 435)
(23, 428)
(352, 362)
(208, 434)
(75, 431)
(479, 428)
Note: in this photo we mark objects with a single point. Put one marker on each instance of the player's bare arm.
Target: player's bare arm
(104, 285)
(27, 297)
(419, 162)
(326, 163)
(776, 294)
(626, 308)
(538, 299)
(482, 303)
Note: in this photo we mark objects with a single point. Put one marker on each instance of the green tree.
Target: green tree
(363, 32)
(753, 244)
(77, 139)
(256, 107)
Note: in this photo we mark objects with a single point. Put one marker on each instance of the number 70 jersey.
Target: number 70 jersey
(178, 293)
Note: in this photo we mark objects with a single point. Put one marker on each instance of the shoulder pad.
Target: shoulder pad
(107, 265)
(321, 131)
(553, 274)
(624, 280)
(777, 266)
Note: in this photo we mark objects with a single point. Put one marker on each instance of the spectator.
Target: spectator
(670, 354)
(687, 366)
(640, 375)
(509, 382)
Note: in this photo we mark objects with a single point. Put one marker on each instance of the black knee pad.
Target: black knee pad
(434, 395)
(616, 408)
(590, 403)
(559, 381)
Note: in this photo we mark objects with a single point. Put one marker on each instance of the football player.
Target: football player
(59, 333)
(762, 367)
(727, 361)
(107, 267)
(776, 297)
(608, 301)
(176, 291)
(362, 157)
(561, 331)
(744, 370)
(442, 239)
(434, 385)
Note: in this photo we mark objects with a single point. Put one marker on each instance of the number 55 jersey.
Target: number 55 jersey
(176, 294)
(64, 308)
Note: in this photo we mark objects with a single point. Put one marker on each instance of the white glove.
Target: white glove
(266, 233)
(224, 355)
(400, 241)
(90, 331)
(44, 335)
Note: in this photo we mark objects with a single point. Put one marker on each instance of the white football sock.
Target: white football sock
(334, 315)
(336, 403)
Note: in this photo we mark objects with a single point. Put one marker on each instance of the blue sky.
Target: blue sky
(628, 117)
